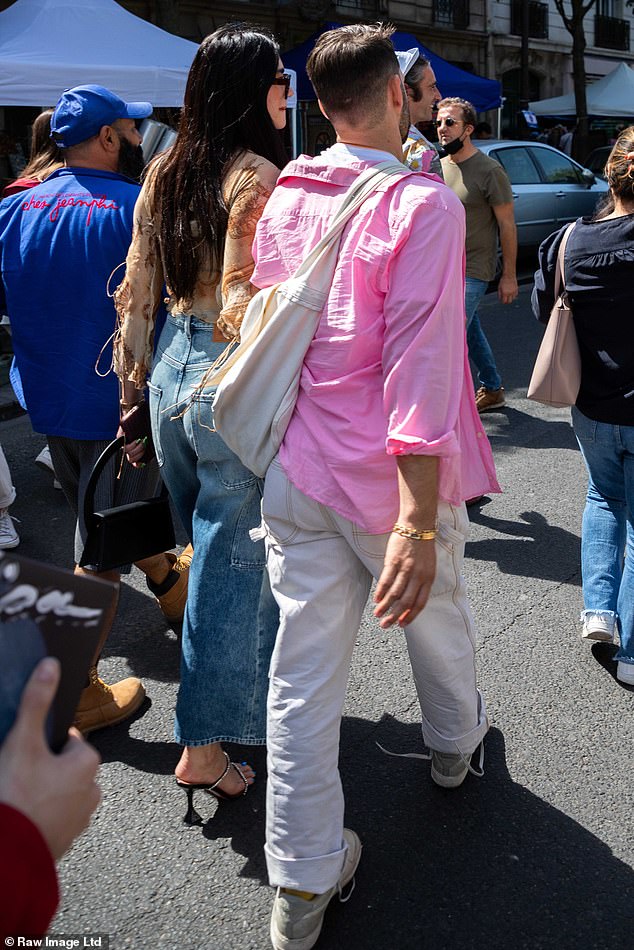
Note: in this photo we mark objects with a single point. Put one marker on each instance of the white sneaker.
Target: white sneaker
(598, 625)
(625, 672)
(9, 537)
(295, 922)
(45, 461)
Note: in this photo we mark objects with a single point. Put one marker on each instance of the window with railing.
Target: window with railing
(537, 19)
(453, 13)
(368, 8)
(611, 33)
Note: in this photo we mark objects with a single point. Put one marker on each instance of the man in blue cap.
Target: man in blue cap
(60, 243)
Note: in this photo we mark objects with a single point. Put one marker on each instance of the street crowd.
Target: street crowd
(383, 452)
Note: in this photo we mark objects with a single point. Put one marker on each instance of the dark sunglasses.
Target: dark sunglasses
(285, 81)
(448, 122)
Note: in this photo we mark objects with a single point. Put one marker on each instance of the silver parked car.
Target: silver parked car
(549, 188)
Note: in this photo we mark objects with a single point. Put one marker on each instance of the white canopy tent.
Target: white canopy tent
(47, 46)
(613, 95)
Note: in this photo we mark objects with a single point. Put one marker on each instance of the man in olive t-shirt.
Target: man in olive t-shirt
(485, 191)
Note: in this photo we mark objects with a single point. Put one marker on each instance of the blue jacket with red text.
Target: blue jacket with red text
(59, 245)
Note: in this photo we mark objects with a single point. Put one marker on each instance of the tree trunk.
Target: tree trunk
(581, 139)
(168, 15)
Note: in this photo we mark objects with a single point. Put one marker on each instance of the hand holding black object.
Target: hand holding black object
(135, 426)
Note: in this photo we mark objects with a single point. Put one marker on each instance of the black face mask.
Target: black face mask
(131, 161)
(451, 147)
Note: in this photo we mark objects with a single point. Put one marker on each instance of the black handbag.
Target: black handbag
(129, 533)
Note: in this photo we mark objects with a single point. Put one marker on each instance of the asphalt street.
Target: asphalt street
(537, 854)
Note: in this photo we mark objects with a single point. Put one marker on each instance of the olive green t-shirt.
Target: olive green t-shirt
(480, 182)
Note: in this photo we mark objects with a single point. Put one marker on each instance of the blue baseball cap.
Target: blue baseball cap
(83, 110)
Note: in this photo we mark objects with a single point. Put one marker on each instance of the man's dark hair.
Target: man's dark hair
(350, 68)
(414, 76)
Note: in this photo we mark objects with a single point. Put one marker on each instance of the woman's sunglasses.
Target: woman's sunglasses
(448, 122)
(285, 81)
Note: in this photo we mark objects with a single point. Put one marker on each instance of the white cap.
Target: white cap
(406, 60)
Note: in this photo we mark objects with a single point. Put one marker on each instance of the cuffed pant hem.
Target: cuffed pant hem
(7, 499)
(237, 740)
(466, 743)
(315, 875)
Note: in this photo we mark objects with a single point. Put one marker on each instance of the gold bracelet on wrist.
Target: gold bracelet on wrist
(127, 406)
(413, 535)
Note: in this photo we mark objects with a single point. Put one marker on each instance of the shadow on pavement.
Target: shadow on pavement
(537, 549)
(604, 654)
(485, 866)
(512, 429)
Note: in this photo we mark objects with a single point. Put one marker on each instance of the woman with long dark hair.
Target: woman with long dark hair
(599, 280)
(194, 224)
(44, 158)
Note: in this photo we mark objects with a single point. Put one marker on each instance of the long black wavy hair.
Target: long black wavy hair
(224, 113)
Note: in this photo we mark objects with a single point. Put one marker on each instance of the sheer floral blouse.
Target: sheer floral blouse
(221, 295)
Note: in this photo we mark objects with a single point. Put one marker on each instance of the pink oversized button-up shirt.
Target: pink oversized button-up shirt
(387, 372)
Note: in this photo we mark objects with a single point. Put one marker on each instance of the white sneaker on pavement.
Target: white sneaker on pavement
(625, 672)
(295, 922)
(597, 625)
(9, 537)
(45, 461)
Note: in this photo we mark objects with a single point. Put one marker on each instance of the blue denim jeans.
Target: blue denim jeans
(480, 351)
(608, 528)
(231, 618)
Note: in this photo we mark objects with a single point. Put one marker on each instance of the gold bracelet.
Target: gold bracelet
(414, 535)
(127, 406)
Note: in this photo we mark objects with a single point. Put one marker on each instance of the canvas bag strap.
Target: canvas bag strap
(560, 278)
(363, 186)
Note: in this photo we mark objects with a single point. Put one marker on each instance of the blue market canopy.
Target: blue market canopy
(452, 81)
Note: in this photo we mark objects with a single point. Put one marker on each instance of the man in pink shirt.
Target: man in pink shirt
(384, 446)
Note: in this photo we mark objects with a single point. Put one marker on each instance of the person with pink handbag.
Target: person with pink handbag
(599, 281)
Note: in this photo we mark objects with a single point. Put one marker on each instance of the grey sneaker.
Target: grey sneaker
(449, 769)
(296, 923)
(9, 537)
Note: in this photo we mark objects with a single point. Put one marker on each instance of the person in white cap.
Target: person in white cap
(422, 95)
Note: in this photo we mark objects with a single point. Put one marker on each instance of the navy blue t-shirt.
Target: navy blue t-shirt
(59, 244)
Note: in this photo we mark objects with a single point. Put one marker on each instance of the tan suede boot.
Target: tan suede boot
(101, 705)
(172, 602)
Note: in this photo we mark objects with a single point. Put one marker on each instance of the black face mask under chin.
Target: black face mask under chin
(451, 147)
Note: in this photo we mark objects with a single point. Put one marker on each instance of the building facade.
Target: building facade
(481, 36)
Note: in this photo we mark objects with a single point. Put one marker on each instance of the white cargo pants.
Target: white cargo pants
(321, 567)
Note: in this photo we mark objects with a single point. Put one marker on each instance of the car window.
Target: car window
(517, 164)
(558, 170)
(597, 159)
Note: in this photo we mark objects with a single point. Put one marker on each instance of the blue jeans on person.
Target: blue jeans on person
(231, 618)
(608, 527)
(480, 351)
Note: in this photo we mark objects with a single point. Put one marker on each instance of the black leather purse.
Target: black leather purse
(129, 533)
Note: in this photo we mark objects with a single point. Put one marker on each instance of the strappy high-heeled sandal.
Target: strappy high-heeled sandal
(192, 817)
